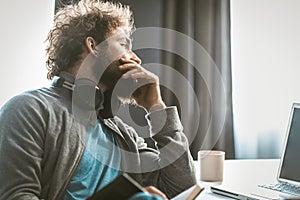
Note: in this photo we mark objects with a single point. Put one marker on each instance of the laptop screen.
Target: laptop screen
(291, 160)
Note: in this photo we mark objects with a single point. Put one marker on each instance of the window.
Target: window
(266, 69)
(24, 28)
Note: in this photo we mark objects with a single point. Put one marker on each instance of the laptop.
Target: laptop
(288, 175)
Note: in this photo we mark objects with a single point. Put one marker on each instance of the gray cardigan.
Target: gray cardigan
(42, 143)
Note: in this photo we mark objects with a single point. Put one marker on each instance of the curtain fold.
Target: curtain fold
(207, 69)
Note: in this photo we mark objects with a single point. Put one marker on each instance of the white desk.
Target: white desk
(245, 173)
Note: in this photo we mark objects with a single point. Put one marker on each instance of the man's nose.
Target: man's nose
(135, 58)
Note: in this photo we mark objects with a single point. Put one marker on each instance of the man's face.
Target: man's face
(118, 45)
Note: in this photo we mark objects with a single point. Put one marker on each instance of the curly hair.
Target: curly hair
(74, 23)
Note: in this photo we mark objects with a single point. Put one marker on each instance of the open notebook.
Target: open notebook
(123, 187)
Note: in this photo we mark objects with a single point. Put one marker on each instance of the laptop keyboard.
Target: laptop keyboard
(284, 187)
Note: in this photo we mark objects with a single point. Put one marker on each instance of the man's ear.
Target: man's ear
(90, 44)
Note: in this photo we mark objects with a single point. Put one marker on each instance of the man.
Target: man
(65, 142)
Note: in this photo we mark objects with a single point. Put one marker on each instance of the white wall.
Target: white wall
(266, 73)
(24, 26)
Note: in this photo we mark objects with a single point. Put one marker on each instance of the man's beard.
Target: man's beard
(125, 90)
(116, 97)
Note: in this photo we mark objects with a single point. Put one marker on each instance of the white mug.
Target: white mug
(211, 165)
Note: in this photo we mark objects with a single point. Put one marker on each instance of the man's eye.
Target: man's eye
(123, 44)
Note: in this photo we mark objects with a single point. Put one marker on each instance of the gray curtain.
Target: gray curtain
(207, 22)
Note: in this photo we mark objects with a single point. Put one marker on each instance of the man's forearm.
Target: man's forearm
(175, 170)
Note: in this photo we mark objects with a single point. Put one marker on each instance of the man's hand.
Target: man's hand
(154, 190)
(148, 95)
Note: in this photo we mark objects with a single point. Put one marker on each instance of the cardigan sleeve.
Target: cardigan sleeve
(171, 168)
(21, 148)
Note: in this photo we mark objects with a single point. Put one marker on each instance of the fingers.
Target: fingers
(154, 190)
(136, 71)
(132, 57)
(130, 73)
(136, 74)
(129, 66)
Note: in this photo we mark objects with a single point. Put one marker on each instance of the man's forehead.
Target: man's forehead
(120, 33)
